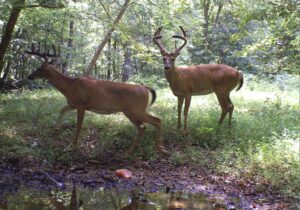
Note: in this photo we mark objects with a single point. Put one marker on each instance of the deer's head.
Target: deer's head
(169, 57)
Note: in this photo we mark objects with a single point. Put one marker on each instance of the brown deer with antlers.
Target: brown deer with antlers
(186, 81)
(102, 97)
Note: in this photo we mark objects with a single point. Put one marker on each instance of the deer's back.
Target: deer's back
(105, 96)
(202, 79)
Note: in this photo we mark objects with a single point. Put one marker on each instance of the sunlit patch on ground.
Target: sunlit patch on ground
(10, 132)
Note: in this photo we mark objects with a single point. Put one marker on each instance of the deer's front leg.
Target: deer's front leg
(61, 113)
(80, 116)
(186, 110)
(179, 108)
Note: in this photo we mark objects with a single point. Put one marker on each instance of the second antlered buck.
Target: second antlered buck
(186, 81)
(99, 96)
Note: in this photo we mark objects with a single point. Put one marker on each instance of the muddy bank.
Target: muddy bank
(147, 176)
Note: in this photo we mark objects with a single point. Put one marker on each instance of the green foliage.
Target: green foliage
(254, 36)
(154, 81)
(274, 30)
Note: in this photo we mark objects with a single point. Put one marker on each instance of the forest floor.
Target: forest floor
(152, 176)
(256, 161)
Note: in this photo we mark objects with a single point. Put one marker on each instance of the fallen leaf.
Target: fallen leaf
(124, 173)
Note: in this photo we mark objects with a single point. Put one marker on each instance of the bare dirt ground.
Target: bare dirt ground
(147, 175)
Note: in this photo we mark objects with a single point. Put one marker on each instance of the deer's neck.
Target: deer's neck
(175, 80)
(172, 76)
(60, 81)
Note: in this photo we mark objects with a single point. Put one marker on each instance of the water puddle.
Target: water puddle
(80, 198)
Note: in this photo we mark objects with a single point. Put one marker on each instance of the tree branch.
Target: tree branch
(106, 38)
(46, 5)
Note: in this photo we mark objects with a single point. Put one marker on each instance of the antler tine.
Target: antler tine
(183, 31)
(54, 55)
(37, 53)
(179, 37)
(177, 50)
(158, 31)
(156, 38)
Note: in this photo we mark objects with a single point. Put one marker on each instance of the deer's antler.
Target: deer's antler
(45, 54)
(183, 37)
(156, 40)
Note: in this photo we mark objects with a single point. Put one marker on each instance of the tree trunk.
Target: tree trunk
(7, 35)
(6, 71)
(126, 67)
(2, 68)
(106, 38)
(108, 75)
(220, 6)
(135, 63)
(9, 28)
(69, 48)
(206, 14)
(114, 69)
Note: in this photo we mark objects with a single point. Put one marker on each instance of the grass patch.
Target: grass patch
(263, 141)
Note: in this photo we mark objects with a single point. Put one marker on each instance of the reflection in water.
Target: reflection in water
(74, 204)
(114, 199)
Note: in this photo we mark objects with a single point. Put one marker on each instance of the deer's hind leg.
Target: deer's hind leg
(223, 104)
(141, 129)
(230, 109)
(138, 120)
(155, 121)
